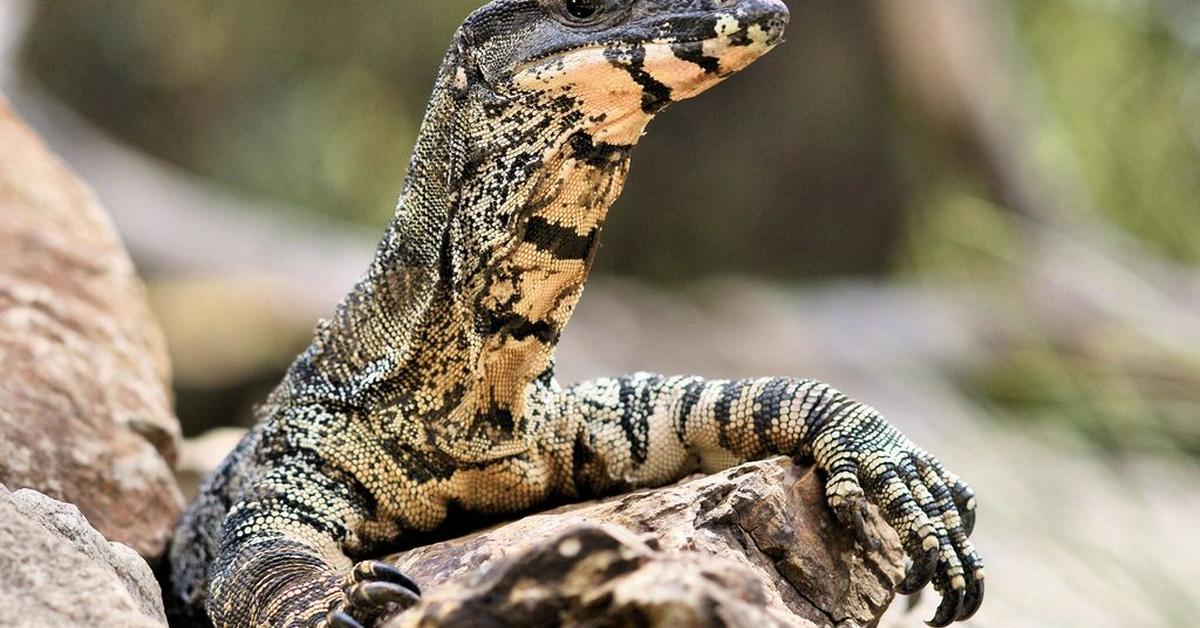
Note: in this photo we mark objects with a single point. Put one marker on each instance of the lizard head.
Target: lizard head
(619, 62)
(537, 106)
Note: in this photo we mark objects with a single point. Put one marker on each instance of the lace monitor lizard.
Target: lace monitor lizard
(431, 387)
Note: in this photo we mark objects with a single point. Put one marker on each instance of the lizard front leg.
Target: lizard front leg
(646, 430)
(305, 500)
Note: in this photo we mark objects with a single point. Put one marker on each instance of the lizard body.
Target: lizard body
(431, 387)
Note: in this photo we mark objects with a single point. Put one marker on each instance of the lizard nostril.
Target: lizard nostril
(775, 28)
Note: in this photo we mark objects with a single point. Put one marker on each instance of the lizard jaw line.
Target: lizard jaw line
(717, 44)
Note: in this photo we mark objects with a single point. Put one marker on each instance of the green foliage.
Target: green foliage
(1126, 90)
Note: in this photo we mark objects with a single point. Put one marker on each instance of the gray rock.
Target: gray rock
(603, 575)
(752, 546)
(56, 570)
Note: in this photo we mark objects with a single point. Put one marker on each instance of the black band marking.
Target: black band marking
(693, 52)
(655, 95)
(561, 242)
(519, 328)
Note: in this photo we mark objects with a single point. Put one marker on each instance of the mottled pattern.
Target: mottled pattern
(431, 388)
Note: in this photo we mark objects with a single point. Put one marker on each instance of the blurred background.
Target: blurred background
(981, 217)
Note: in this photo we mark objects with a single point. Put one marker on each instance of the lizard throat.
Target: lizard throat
(530, 290)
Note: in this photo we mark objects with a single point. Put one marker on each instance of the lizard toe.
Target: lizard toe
(962, 494)
(955, 523)
(923, 542)
(849, 503)
(966, 513)
(973, 575)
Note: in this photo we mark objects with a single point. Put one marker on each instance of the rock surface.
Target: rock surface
(85, 411)
(56, 570)
(751, 546)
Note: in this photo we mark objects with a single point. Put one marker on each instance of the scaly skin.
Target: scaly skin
(432, 384)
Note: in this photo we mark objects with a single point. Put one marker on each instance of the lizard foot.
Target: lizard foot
(374, 591)
(931, 509)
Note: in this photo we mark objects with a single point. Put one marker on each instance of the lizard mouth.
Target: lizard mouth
(727, 36)
(620, 84)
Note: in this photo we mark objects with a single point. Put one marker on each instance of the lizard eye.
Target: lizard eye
(581, 9)
(583, 12)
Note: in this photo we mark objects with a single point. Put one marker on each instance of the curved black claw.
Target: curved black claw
(854, 515)
(378, 570)
(972, 600)
(919, 574)
(374, 591)
(381, 595)
(339, 619)
(950, 608)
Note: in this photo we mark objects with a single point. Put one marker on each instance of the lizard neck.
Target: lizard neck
(481, 268)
